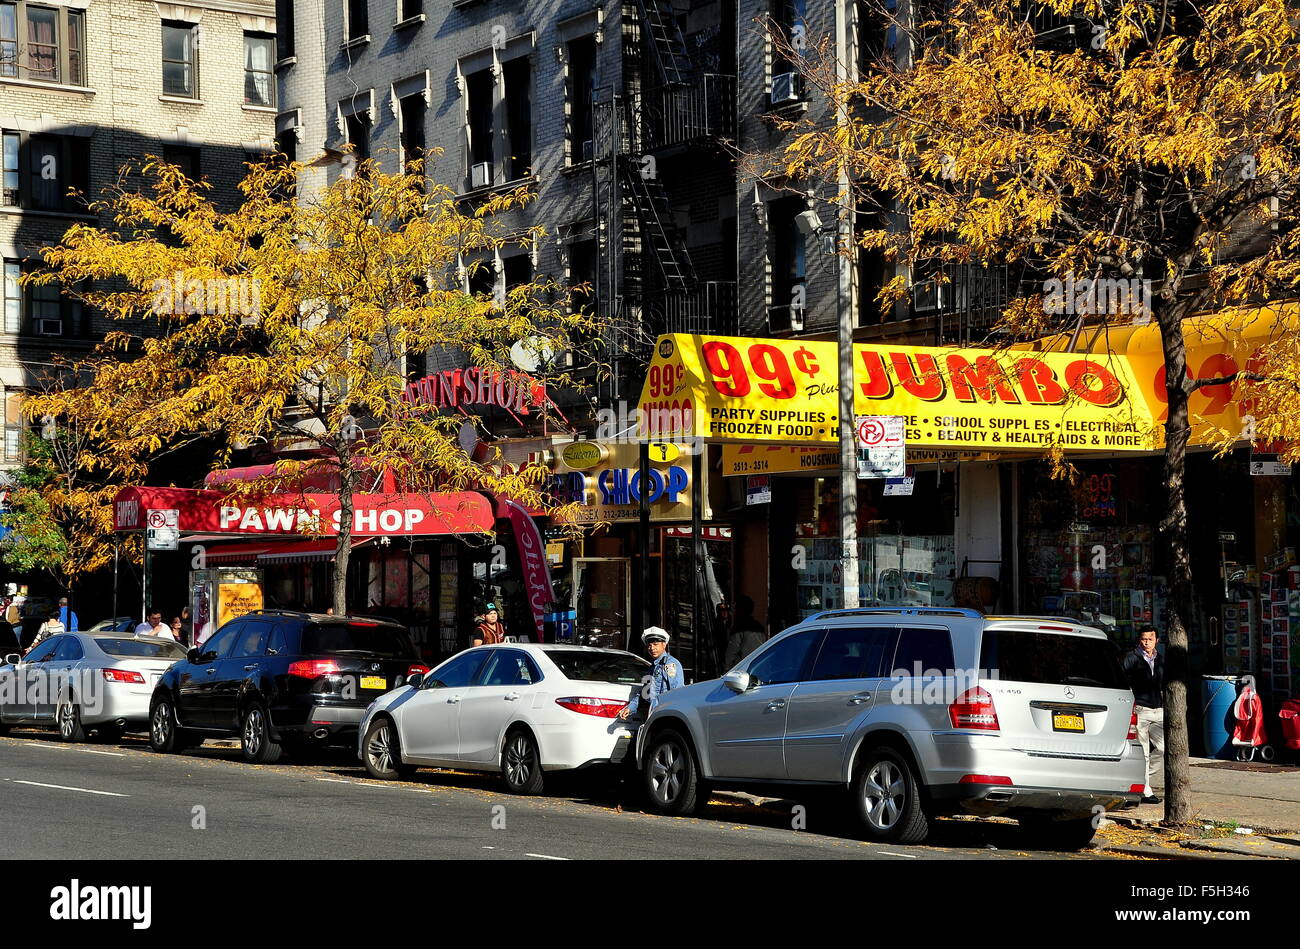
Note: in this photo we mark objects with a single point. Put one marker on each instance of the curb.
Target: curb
(1164, 853)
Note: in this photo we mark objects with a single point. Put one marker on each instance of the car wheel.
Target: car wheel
(672, 781)
(68, 716)
(255, 737)
(164, 734)
(888, 800)
(1074, 833)
(383, 754)
(521, 764)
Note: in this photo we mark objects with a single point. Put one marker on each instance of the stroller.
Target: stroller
(1248, 733)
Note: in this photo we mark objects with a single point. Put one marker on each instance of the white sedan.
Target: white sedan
(83, 682)
(520, 709)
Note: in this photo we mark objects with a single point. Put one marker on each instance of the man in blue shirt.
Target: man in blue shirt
(665, 673)
(68, 617)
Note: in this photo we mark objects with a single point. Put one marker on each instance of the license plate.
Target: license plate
(1067, 722)
(374, 682)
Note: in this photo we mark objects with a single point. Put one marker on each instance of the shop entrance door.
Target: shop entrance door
(602, 598)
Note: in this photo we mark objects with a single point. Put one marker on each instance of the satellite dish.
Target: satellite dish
(529, 353)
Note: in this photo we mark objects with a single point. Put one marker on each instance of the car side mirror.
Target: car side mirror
(192, 655)
(13, 659)
(736, 681)
(415, 680)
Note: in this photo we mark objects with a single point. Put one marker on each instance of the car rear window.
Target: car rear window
(388, 642)
(141, 649)
(599, 666)
(1022, 655)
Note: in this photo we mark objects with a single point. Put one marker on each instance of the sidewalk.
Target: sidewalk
(1266, 800)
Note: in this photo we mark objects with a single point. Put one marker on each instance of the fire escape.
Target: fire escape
(666, 107)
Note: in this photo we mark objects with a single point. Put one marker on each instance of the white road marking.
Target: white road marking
(886, 853)
(544, 856)
(84, 751)
(64, 787)
(335, 781)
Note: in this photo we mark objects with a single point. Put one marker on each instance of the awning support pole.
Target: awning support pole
(643, 538)
(702, 628)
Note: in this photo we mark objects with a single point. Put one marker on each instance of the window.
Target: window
(9, 170)
(516, 270)
(219, 644)
(458, 672)
(42, 44)
(358, 19)
(785, 660)
(359, 137)
(853, 653)
(788, 253)
(406, 9)
(180, 60)
(877, 32)
(789, 20)
(259, 69)
(478, 107)
(517, 76)
(39, 171)
(186, 157)
(411, 138)
(40, 310)
(923, 652)
(509, 667)
(141, 649)
(45, 651)
(1013, 655)
(283, 29)
(253, 640)
(482, 278)
(617, 667)
(582, 274)
(70, 650)
(581, 88)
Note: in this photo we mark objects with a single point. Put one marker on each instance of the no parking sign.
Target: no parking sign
(882, 451)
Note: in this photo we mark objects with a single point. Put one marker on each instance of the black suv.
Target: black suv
(278, 679)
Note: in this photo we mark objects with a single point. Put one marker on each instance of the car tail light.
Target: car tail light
(974, 709)
(311, 668)
(1058, 629)
(1133, 724)
(1137, 789)
(416, 669)
(601, 708)
(985, 779)
(123, 675)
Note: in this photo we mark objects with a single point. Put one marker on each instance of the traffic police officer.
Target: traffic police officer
(665, 672)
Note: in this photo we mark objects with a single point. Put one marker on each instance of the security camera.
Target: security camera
(808, 222)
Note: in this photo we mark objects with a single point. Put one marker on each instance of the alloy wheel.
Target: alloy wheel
(160, 726)
(380, 750)
(666, 772)
(519, 763)
(885, 793)
(253, 731)
(67, 720)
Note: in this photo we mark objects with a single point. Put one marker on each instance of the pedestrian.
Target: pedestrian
(490, 630)
(1145, 669)
(665, 673)
(747, 633)
(67, 616)
(187, 626)
(152, 620)
(51, 627)
(178, 629)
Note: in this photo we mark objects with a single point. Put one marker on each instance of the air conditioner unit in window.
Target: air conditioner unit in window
(46, 327)
(587, 150)
(480, 175)
(785, 88)
(928, 296)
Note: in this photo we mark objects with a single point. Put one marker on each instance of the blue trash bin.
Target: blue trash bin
(1218, 695)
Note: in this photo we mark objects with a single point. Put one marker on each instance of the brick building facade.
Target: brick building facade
(87, 86)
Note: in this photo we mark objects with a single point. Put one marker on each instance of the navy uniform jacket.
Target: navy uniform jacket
(665, 674)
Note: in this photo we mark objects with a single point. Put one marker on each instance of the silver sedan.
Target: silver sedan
(83, 682)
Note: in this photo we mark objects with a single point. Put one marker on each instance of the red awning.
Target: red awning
(276, 552)
(374, 515)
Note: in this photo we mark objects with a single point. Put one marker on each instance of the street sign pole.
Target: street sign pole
(844, 307)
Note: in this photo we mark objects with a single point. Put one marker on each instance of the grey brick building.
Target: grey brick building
(88, 85)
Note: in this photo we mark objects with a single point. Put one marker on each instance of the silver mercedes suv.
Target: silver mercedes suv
(918, 712)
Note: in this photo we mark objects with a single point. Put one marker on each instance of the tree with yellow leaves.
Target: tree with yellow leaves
(1144, 143)
(289, 321)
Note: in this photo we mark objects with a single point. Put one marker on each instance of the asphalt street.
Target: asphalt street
(122, 801)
